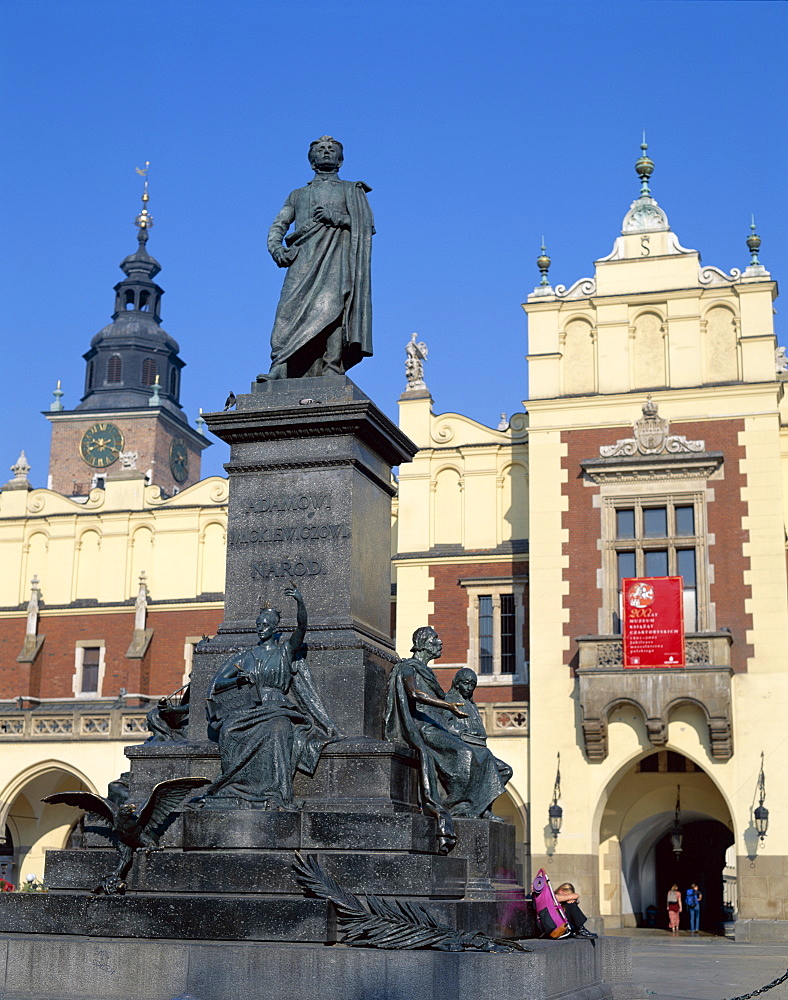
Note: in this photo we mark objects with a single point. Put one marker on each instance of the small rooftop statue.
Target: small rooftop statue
(414, 365)
(323, 323)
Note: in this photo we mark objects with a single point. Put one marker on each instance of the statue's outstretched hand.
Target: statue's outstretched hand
(294, 592)
(455, 709)
(284, 256)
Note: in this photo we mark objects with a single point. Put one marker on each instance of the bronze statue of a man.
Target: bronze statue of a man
(323, 322)
(458, 777)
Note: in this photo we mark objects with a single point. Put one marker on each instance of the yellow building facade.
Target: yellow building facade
(652, 446)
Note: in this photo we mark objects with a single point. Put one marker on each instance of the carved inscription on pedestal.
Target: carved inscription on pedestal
(274, 523)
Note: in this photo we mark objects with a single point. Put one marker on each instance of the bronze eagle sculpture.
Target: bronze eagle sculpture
(131, 830)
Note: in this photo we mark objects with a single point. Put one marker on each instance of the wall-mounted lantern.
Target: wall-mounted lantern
(761, 813)
(676, 836)
(555, 813)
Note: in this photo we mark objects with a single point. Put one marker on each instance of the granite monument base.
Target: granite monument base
(75, 967)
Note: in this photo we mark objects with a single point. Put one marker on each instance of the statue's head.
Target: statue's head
(427, 639)
(326, 153)
(465, 682)
(267, 621)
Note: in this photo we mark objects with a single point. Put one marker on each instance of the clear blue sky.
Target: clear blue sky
(480, 126)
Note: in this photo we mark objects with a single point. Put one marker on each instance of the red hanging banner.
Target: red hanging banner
(653, 612)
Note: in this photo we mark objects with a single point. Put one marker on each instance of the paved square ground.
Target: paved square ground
(705, 967)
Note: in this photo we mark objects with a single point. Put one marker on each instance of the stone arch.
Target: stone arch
(36, 826)
(513, 490)
(649, 368)
(142, 557)
(37, 550)
(721, 343)
(579, 350)
(448, 507)
(88, 568)
(633, 814)
(212, 558)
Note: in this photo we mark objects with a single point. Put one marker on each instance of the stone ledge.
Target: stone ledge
(110, 969)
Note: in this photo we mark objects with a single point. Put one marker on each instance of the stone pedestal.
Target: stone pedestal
(310, 502)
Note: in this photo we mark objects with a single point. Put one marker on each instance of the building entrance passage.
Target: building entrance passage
(702, 860)
(637, 864)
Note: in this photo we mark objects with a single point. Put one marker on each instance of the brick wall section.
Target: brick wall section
(725, 513)
(150, 436)
(159, 672)
(450, 619)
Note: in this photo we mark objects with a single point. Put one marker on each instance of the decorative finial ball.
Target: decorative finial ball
(644, 165)
(543, 262)
(754, 242)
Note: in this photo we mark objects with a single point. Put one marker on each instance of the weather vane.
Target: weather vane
(144, 220)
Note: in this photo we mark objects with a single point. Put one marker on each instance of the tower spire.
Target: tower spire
(644, 166)
(144, 221)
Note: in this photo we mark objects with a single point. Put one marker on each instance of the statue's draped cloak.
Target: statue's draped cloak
(328, 284)
(269, 729)
(456, 777)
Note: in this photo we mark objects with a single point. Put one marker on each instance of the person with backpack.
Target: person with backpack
(693, 898)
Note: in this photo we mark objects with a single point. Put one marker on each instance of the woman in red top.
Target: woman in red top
(674, 908)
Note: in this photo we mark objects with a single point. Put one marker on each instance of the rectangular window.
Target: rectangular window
(91, 657)
(508, 659)
(485, 634)
(88, 668)
(657, 536)
(496, 629)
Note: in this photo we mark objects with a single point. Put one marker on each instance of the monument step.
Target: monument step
(261, 873)
(226, 917)
(215, 828)
(101, 968)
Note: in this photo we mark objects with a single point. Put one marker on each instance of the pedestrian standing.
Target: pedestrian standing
(674, 908)
(693, 897)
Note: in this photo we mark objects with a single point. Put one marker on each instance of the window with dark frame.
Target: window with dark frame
(91, 658)
(485, 634)
(658, 539)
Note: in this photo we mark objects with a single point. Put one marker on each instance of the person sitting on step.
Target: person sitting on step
(568, 898)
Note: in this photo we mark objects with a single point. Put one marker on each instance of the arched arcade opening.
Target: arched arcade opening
(637, 860)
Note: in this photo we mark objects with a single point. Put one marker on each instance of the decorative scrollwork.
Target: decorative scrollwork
(711, 275)
(698, 651)
(610, 654)
(583, 288)
(518, 423)
(36, 501)
(443, 433)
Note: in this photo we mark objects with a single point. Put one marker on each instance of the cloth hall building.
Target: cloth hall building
(654, 443)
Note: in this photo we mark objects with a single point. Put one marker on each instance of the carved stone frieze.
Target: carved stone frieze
(604, 685)
(651, 437)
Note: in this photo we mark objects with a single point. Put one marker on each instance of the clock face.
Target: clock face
(101, 444)
(179, 460)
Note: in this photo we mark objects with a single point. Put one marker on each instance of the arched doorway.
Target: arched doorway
(637, 864)
(704, 845)
(33, 827)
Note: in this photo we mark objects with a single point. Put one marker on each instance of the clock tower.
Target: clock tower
(130, 417)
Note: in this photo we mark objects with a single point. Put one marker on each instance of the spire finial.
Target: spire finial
(753, 243)
(57, 392)
(543, 262)
(144, 221)
(644, 167)
(155, 399)
(200, 421)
